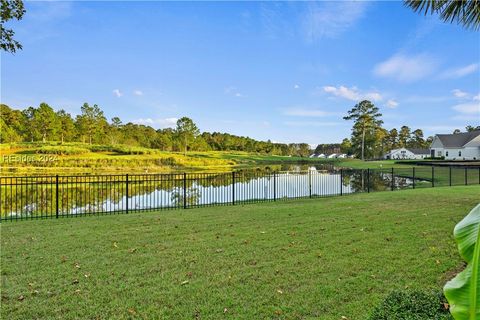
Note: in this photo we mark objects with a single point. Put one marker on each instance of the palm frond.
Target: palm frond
(464, 12)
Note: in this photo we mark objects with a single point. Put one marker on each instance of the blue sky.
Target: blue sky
(285, 71)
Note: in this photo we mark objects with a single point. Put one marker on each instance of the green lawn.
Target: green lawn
(376, 164)
(319, 258)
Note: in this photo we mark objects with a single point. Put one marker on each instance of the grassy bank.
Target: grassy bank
(85, 158)
(321, 258)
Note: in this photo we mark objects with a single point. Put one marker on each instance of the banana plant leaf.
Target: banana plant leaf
(463, 291)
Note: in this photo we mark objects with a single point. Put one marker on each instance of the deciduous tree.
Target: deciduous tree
(186, 132)
(10, 10)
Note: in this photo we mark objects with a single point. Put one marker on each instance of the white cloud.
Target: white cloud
(470, 108)
(352, 93)
(233, 91)
(406, 68)
(305, 112)
(477, 97)
(459, 72)
(459, 93)
(117, 92)
(392, 103)
(157, 123)
(138, 92)
(330, 19)
(296, 86)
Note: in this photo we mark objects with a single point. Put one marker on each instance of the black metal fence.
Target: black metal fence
(75, 196)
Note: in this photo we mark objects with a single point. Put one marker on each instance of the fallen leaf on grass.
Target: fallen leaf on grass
(280, 291)
(185, 282)
(225, 310)
(219, 250)
(21, 298)
(115, 245)
(63, 259)
(77, 265)
(75, 281)
(133, 250)
(132, 311)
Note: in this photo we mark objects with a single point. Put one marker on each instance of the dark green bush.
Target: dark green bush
(412, 305)
(60, 150)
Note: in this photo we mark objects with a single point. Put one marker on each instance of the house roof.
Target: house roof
(419, 151)
(458, 140)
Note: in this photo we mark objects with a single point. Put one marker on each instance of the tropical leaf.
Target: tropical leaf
(465, 12)
(463, 291)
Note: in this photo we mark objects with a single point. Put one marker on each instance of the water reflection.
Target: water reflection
(37, 196)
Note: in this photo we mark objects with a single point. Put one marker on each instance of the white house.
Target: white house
(460, 146)
(404, 153)
(341, 156)
(333, 155)
(321, 155)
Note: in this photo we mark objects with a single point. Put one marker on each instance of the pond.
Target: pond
(23, 197)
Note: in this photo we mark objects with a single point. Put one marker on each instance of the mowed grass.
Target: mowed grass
(300, 259)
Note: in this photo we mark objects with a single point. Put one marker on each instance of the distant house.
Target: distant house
(341, 156)
(404, 153)
(321, 155)
(332, 156)
(460, 146)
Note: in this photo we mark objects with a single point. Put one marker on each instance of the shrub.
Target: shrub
(412, 305)
(60, 150)
(133, 150)
(100, 148)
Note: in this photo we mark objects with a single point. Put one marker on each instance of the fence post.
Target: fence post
(393, 181)
(341, 182)
(126, 191)
(184, 190)
(310, 183)
(274, 186)
(56, 196)
(433, 176)
(233, 187)
(413, 169)
(450, 176)
(466, 179)
(368, 180)
(478, 175)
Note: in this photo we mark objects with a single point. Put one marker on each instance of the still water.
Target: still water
(74, 195)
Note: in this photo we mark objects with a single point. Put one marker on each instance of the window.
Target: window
(459, 153)
(439, 153)
(446, 153)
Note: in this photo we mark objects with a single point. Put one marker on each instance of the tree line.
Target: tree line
(369, 140)
(44, 124)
